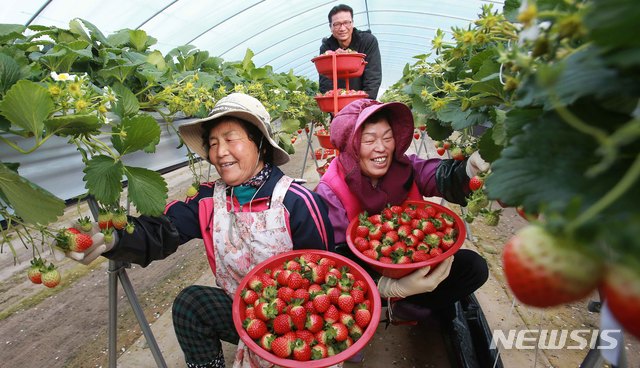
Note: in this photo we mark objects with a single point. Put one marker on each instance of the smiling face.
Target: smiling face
(233, 154)
(342, 28)
(377, 146)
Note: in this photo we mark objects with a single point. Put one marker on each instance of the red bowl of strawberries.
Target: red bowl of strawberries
(306, 307)
(402, 239)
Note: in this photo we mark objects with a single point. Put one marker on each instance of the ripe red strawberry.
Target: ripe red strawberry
(282, 324)
(264, 311)
(441, 151)
(446, 144)
(346, 302)
(319, 351)
(292, 265)
(375, 233)
(447, 242)
(475, 183)
(285, 293)
(255, 328)
(342, 332)
(543, 270)
(375, 219)
(371, 254)
(307, 336)
(310, 258)
(266, 340)
(298, 314)
(360, 284)
(321, 302)
(314, 322)
(332, 314)
(361, 243)
(302, 294)
(622, 293)
(416, 135)
(50, 277)
(419, 256)
(457, 154)
(249, 296)
(79, 242)
(325, 337)
(362, 231)
(347, 319)
(301, 350)
(362, 315)
(255, 283)
(282, 346)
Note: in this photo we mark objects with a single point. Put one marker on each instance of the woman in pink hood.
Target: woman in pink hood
(373, 170)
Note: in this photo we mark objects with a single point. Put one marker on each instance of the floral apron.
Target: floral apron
(243, 240)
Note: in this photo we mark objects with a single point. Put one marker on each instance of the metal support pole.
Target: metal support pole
(117, 270)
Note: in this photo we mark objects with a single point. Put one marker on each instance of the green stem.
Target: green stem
(616, 192)
(19, 149)
(579, 125)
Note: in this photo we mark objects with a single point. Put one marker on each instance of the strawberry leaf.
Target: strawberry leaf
(141, 131)
(103, 176)
(29, 201)
(147, 190)
(27, 105)
(73, 125)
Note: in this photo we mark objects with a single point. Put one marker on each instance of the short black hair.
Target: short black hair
(254, 134)
(340, 8)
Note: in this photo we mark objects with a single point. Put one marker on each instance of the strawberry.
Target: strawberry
(416, 135)
(375, 233)
(255, 328)
(255, 283)
(457, 154)
(355, 331)
(447, 241)
(321, 302)
(104, 219)
(419, 256)
(544, 270)
(130, 228)
(422, 127)
(332, 314)
(362, 315)
(492, 218)
(362, 231)
(35, 271)
(476, 183)
(50, 277)
(441, 151)
(319, 351)
(264, 311)
(79, 242)
(342, 332)
(282, 346)
(85, 224)
(192, 191)
(346, 302)
(314, 322)
(249, 296)
(301, 350)
(434, 252)
(282, 324)
(325, 337)
(298, 314)
(306, 335)
(622, 293)
(302, 294)
(119, 219)
(266, 340)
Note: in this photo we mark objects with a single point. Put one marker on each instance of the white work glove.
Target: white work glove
(98, 247)
(475, 165)
(417, 282)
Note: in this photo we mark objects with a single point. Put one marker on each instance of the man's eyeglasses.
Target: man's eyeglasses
(337, 25)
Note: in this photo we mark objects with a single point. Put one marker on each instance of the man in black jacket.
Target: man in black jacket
(345, 36)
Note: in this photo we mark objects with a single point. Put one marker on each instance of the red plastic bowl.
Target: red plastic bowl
(326, 102)
(325, 141)
(348, 65)
(397, 271)
(277, 260)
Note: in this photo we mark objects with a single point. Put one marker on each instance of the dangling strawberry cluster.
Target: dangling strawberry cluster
(306, 309)
(409, 234)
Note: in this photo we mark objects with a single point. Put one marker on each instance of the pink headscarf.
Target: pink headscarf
(346, 133)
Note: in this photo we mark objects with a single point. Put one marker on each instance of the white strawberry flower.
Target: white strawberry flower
(63, 77)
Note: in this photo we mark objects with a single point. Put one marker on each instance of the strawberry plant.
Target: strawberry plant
(97, 92)
(548, 93)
